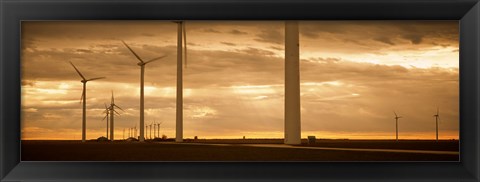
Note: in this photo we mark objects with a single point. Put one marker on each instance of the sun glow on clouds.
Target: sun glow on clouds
(254, 89)
(203, 112)
(422, 58)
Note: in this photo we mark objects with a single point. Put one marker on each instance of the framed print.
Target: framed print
(187, 90)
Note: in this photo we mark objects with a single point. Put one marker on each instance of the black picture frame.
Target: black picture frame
(12, 12)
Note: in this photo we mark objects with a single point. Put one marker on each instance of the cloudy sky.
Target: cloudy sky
(354, 74)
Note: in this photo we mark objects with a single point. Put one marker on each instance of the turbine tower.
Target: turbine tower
(396, 124)
(154, 129)
(112, 113)
(107, 113)
(151, 130)
(181, 56)
(292, 84)
(142, 64)
(158, 128)
(84, 100)
(437, 117)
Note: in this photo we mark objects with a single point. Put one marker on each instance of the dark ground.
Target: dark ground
(169, 151)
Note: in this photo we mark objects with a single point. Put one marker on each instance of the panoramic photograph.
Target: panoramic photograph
(241, 91)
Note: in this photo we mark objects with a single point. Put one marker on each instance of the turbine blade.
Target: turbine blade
(131, 50)
(104, 117)
(155, 59)
(96, 78)
(116, 112)
(184, 31)
(438, 112)
(395, 113)
(81, 98)
(117, 107)
(77, 71)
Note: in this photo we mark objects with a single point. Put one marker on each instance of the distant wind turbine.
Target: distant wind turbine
(112, 113)
(437, 118)
(181, 56)
(142, 64)
(154, 129)
(159, 136)
(83, 98)
(150, 126)
(107, 113)
(396, 124)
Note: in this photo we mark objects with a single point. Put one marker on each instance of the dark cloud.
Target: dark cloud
(271, 36)
(392, 33)
(148, 34)
(237, 32)
(228, 43)
(385, 40)
(28, 82)
(413, 38)
(211, 30)
(84, 51)
(97, 30)
(277, 48)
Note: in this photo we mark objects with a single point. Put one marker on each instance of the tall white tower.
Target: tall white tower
(292, 83)
(179, 116)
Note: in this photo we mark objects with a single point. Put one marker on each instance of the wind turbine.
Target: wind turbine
(396, 124)
(146, 131)
(107, 113)
(154, 129)
(142, 64)
(83, 98)
(135, 131)
(159, 129)
(112, 113)
(437, 117)
(151, 130)
(181, 31)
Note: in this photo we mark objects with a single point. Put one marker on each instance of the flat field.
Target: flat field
(241, 150)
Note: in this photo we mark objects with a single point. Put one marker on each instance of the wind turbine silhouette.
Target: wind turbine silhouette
(107, 113)
(151, 130)
(83, 98)
(142, 64)
(437, 118)
(181, 33)
(112, 113)
(135, 131)
(396, 124)
(154, 129)
(159, 129)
